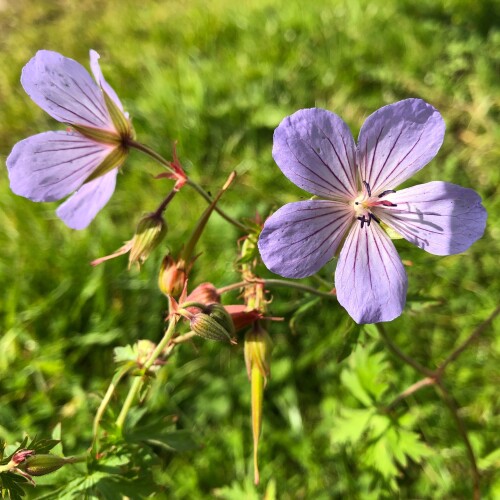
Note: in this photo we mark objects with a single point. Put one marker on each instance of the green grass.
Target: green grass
(218, 77)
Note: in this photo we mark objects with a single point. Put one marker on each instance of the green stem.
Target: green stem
(223, 214)
(473, 336)
(104, 403)
(163, 205)
(153, 154)
(138, 381)
(412, 389)
(401, 355)
(277, 282)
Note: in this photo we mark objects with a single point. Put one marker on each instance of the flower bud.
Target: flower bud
(148, 235)
(21, 455)
(209, 328)
(172, 276)
(39, 465)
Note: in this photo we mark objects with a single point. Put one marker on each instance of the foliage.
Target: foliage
(218, 79)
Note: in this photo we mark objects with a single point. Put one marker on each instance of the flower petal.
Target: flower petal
(65, 90)
(316, 151)
(439, 217)
(99, 78)
(302, 237)
(398, 140)
(79, 210)
(51, 165)
(370, 279)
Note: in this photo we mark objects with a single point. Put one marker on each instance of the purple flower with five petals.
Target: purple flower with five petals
(316, 151)
(51, 165)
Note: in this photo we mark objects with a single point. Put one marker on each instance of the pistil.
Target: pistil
(364, 203)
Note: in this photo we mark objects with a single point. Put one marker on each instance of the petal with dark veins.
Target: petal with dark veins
(370, 279)
(302, 237)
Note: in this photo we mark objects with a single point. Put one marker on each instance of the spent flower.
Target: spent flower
(83, 160)
(149, 233)
(316, 151)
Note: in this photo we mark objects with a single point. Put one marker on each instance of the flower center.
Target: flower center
(365, 202)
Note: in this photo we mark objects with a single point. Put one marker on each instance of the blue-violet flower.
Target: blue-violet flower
(316, 151)
(51, 165)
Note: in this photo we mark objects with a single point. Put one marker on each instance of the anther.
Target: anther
(386, 203)
(367, 186)
(388, 191)
(376, 219)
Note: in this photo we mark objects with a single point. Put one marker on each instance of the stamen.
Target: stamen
(363, 220)
(387, 203)
(376, 219)
(388, 191)
(367, 186)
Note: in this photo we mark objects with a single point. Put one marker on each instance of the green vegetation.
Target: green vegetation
(218, 77)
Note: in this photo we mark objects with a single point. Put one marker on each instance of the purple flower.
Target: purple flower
(51, 165)
(316, 151)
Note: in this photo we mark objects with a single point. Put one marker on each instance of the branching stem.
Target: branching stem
(435, 378)
(153, 154)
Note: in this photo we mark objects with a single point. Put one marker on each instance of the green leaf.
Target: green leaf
(352, 382)
(351, 425)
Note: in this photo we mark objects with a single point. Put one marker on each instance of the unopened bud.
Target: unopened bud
(257, 350)
(172, 276)
(21, 455)
(39, 465)
(209, 328)
(148, 235)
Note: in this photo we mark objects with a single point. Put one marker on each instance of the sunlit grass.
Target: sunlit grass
(218, 77)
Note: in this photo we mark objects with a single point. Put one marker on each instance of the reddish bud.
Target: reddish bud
(173, 276)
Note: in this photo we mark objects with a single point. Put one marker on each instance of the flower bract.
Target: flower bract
(357, 186)
(83, 160)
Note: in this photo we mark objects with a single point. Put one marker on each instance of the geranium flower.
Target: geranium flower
(51, 165)
(316, 151)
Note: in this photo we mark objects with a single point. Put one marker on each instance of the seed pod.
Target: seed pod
(209, 328)
(219, 313)
(257, 351)
(148, 235)
(39, 465)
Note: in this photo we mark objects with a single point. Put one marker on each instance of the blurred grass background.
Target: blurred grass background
(218, 77)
